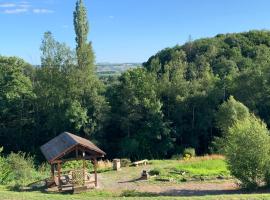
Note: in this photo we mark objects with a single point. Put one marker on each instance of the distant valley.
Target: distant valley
(111, 69)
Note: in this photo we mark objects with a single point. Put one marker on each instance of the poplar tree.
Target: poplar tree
(85, 54)
(88, 87)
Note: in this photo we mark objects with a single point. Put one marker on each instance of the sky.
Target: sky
(125, 30)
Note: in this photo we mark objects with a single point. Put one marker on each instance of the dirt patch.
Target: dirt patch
(128, 179)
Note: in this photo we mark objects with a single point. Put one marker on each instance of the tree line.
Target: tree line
(154, 111)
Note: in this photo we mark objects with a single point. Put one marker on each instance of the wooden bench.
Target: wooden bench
(141, 162)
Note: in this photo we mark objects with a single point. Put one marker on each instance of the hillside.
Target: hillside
(196, 77)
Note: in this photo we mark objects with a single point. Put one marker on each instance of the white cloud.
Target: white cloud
(24, 5)
(111, 17)
(42, 11)
(21, 7)
(7, 5)
(65, 26)
(15, 11)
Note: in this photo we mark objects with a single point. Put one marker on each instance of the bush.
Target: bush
(4, 170)
(19, 169)
(77, 164)
(104, 165)
(177, 157)
(189, 153)
(247, 151)
(125, 162)
(156, 172)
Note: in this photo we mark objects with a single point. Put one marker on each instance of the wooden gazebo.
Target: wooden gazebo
(68, 147)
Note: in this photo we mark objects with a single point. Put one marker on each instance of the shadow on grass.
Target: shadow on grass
(35, 188)
(132, 181)
(135, 193)
(194, 193)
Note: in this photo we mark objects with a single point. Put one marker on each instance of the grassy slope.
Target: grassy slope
(206, 166)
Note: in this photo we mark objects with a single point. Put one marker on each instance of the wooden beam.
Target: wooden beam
(59, 176)
(52, 171)
(71, 159)
(77, 153)
(83, 172)
(95, 170)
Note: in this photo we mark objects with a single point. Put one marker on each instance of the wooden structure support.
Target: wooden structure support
(68, 147)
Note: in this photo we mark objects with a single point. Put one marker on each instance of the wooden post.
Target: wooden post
(77, 153)
(95, 169)
(83, 172)
(52, 171)
(59, 175)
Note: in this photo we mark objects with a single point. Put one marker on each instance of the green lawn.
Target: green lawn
(207, 167)
(5, 194)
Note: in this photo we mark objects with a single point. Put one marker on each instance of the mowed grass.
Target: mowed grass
(6, 194)
(206, 167)
(210, 167)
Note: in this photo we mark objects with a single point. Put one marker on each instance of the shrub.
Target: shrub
(177, 157)
(125, 162)
(156, 172)
(77, 164)
(189, 153)
(247, 151)
(4, 170)
(19, 169)
(104, 165)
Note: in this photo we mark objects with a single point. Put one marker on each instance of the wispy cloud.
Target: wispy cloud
(24, 4)
(22, 7)
(111, 17)
(7, 5)
(42, 11)
(15, 11)
(65, 26)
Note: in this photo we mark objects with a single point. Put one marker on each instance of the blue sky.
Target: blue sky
(125, 30)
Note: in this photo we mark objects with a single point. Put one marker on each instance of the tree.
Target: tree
(229, 113)
(87, 88)
(84, 50)
(247, 151)
(139, 128)
(16, 104)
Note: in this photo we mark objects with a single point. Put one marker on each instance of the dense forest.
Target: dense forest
(154, 111)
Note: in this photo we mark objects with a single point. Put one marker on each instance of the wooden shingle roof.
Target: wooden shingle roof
(58, 146)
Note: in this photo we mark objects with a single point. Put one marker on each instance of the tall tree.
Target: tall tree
(85, 54)
(88, 88)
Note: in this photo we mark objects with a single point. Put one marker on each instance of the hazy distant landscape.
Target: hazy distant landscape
(112, 69)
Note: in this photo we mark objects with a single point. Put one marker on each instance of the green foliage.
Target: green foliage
(18, 169)
(137, 119)
(247, 151)
(125, 162)
(16, 103)
(74, 165)
(229, 112)
(177, 157)
(189, 152)
(151, 112)
(195, 78)
(156, 172)
(77, 115)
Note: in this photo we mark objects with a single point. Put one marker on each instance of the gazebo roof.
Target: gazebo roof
(65, 142)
